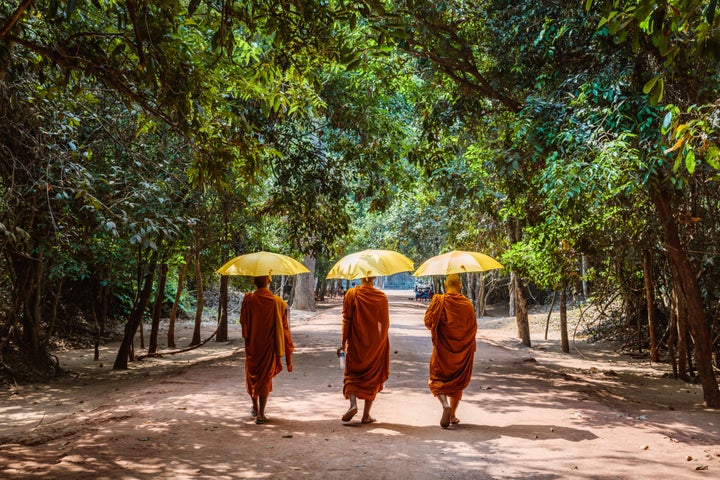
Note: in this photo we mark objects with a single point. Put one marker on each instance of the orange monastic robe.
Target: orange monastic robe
(366, 320)
(262, 363)
(451, 319)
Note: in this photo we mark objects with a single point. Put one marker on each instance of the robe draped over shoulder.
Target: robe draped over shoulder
(451, 319)
(258, 318)
(366, 321)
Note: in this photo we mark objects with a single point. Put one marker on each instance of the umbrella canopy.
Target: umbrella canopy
(262, 263)
(457, 261)
(370, 263)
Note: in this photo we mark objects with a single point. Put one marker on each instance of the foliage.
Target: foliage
(213, 128)
(680, 45)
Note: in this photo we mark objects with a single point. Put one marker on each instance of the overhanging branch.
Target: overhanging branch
(14, 18)
(110, 76)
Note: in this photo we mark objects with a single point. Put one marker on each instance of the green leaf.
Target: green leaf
(678, 161)
(690, 162)
(667, 122)
(650, 84)
(657, 92)
(712, 156)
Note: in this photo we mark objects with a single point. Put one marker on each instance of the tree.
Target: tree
(677, 46)
(156, 68)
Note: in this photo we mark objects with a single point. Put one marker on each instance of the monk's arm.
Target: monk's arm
(346, 320)
(432, 314)
(289, 345)
(244, 318)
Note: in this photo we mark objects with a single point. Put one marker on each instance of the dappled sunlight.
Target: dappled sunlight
(522, 416)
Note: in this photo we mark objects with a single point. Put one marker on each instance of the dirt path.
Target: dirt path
(528, 413)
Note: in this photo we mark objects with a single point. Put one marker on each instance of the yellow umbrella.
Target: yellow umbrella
(457, 261)
(370, 263)
(262, 263)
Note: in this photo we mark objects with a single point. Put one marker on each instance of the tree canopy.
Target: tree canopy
(575, 141)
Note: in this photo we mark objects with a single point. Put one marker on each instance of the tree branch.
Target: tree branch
(14, 18)
(132, 10)
(459, 62)
(110, 76)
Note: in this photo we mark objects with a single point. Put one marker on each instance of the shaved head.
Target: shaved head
(453, 281)
(262, 281)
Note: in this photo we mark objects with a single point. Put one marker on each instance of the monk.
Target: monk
(261, 315)
(366, 321)
(451, 319)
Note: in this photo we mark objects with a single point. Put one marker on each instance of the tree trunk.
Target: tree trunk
(176, 303)
(157, 309)
(322, 289)
(291, 300)
(688, 285)
(304, 288)
(53, 317)
(135, 318)
(139, 280)
(682, 344)
(521, 313)
(28, 294)
(650, 299)
(552, 305)
(672, 333)
(584, 267)
(96, 321)
(102, 319)
(480, 304)
(563, 322)
(438, 285)
(634, 307)
(200, 302)
(222, 330)
(511, 295)
(283, 284)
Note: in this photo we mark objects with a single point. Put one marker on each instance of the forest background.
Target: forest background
(144, 143)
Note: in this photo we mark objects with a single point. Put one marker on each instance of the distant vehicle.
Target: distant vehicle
(423, 293)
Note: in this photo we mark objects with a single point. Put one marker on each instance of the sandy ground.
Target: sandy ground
(531, 413)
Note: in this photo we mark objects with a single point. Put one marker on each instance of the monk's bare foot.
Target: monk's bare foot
(445, 419)
(260, 420)
(454, 420)
(368, 420)
(349, 414)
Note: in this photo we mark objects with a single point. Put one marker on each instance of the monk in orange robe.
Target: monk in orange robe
(451, 319)
(366, 320)
(261, 315)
